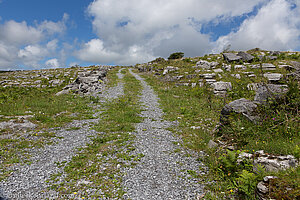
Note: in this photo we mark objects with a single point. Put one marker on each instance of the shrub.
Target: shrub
(159, 60)
(176, 55)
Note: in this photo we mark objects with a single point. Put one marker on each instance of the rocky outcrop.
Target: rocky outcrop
(87, 83)
(221, 88)
(203, 64)
(169, 69)
(231, 57)
(263, 188)
(241, 106)
(273, 77)
(21, 123)
(246, 57)
(269, 91)
(269, 162)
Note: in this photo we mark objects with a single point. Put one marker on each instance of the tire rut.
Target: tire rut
(165, 172)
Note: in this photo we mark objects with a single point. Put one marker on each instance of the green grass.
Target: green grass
(46, 110)
(110, 148)
(277, 132)
(112, 78)
(191, 107)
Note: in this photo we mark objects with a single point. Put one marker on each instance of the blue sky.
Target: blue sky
(60, 33)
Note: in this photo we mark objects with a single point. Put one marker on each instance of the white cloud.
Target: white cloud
(153, 28)
(132, 31)
(52, 63)
(32, 54)
(18, 33)
(275, 27)
(27, 45)
(94, 51)
(54, 27)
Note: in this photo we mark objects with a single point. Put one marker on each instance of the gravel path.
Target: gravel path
(162, 173)
(28, 181)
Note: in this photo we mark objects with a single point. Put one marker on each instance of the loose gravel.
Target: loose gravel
(28, 181)
(165, 171)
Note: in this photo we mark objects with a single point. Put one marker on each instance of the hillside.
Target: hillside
(221, 126)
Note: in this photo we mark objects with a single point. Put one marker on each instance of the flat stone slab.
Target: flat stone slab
(245, 56)
(268, 66)
(208, 76)
(273, 77)
(240, 67)
(222, 86)
(230, 57)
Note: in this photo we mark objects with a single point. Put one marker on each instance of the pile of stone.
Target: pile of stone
(270, 163)
(203, 64)
(241, 56)
(88, 82)
(18, 124)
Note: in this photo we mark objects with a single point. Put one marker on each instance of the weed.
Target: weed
(110, 148)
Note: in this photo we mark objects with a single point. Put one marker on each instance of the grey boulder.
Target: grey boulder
(240, 106)
(230, 57)
(264, 92)
(246, 57)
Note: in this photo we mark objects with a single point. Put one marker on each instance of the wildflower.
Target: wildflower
(75, 193)
(273, 118)
(231, 191)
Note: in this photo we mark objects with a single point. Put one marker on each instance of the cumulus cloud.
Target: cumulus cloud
(131, 31)
(94, 51)
(137, 30)
(52, 63)
(276, 26)
(32, 54)
(19, 33)
(27, 45)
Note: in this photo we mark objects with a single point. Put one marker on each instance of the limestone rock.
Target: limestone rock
(273, 77)
(169, 69)
(241, 106)
(17, 125)
(211, 144)
(220, 88)
(268, 66)
(56, 82)
(271, 57)
(218, 70)
(226, 67)
(208, 76)
(267, 91)
(206, 65)
(230, 57)
(274, 163)
(246, 57)
(240, 67)
(238, 76)
(87, 83)
(253, 86)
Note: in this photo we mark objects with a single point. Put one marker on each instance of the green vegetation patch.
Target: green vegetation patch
(100, 162)
(198, 111)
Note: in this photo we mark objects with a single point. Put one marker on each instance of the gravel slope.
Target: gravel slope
(28, 181)
(162, 173)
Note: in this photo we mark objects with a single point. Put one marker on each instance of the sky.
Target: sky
(36, 34)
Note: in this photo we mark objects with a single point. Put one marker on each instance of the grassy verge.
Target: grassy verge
(198, 111)
(45, 109)
(100, 162)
